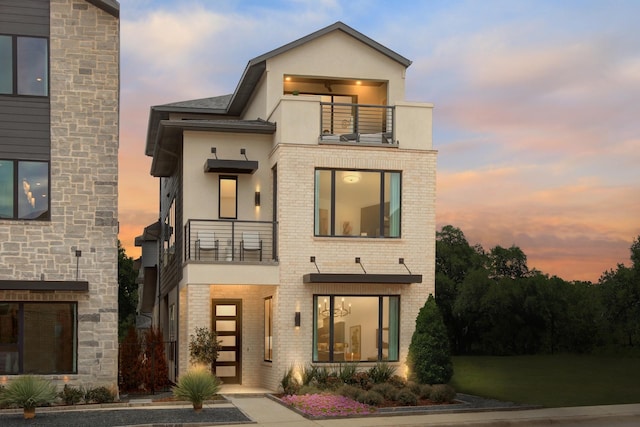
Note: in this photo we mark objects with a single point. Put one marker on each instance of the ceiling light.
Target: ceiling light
(351, 177)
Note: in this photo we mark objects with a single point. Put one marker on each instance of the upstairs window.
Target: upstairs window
(24, 66)
(24, 190)
(357, 203)
(228, 197)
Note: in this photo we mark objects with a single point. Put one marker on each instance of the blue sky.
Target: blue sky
(536, 107)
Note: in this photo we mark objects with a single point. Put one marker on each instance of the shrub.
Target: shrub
(288, 382)
(424, 391)
(309, 374)
(347, 371)
(362, 380)
(387, 390)
(407, 397)
(308, 389)
(397, 381)
(204, 347)
(429, 358)
(370, 398)
(71, 395)
(381, 372)
(99, 395)
(28, 391)
(349, 391)
(196, 386)
(131, 367)
(156, 369)
(441, 393)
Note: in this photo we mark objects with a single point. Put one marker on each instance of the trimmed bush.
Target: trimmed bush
(424, 391)
(387, 390)
(99, 395)
(442, 393)
(370, 398)
(429, 357)
(204, 347)
(349, 391)
(407, 398)
(71, 395)
(362, 380)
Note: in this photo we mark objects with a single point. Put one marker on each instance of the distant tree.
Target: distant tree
(620, 294)
(429, 357)
(127, 292)
(508, 263)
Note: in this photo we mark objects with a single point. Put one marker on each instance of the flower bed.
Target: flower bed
(326, 405)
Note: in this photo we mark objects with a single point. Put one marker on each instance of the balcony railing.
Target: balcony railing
(357, 123)
(230, 241)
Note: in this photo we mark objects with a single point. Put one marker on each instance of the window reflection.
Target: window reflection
(33, 190)
(32, 72)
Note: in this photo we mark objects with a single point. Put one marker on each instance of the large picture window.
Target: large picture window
(24, 65)
(38, 338)
(357, 203)
(356, 328)
(24, 190)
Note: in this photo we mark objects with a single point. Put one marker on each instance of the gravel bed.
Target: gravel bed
(147, 416)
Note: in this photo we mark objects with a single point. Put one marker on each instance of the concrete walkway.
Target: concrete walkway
(266, 412)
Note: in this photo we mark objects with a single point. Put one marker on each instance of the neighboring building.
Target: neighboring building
(59, 82)
(298, 213)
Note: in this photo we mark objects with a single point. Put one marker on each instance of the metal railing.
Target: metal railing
(357, 123)
(218, 240)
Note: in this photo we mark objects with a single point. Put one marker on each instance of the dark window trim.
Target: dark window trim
(332, 231)
(14, 70)
(16, 192)
(20, 343)
(332, 297)
(227, 177)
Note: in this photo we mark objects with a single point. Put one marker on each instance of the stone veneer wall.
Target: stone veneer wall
(84, 96)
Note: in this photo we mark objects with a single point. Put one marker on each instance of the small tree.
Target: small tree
(204, 346)
(429, 358)
(156, 361)
(131, 368)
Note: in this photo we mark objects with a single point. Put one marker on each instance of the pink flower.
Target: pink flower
(326, 405)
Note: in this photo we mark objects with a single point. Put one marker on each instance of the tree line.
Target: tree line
(493, 304)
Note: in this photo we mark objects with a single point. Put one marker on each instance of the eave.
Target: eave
(398, 279)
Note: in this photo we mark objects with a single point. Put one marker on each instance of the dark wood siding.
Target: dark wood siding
(24, 17)
(24, 121)
(24, 128)
(171, 274)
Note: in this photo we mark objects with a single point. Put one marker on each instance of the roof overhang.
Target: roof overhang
(401, 279)
(112, 7)
(44, 285)
(170, 134)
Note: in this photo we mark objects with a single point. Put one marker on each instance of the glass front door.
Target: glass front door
(227, 323)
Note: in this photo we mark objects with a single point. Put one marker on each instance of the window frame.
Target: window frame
(15, 216)
(332, 297)
(332, 232)
(235, 201)
(268, 329)
(16, 72)
(20, 343)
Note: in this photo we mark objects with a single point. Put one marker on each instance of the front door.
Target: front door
(227, 323)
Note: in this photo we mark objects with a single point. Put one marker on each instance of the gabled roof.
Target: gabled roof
(256, 66)
(112, 7)
(231, 107)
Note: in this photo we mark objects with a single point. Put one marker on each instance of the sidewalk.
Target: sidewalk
(268, 413)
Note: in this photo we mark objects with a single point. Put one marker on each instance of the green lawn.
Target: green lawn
(551, 381)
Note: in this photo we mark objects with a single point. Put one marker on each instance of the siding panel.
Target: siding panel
(24, 124)
(24, 17)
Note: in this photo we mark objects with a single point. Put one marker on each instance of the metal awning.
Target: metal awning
(402, 279)
(231, 166)
(44, 285)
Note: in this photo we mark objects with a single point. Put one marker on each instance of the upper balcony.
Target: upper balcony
(356, 123)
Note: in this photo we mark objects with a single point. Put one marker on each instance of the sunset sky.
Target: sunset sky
(536, 120)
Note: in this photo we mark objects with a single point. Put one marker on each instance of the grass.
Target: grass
(550, 380)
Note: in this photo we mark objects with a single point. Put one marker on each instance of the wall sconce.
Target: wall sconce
(297, 319)
(257, 200)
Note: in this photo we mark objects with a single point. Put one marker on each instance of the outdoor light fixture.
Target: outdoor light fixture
(257, 198)
(297, 319)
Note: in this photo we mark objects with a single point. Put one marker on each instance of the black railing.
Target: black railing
(230, 241)
(357, 123)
